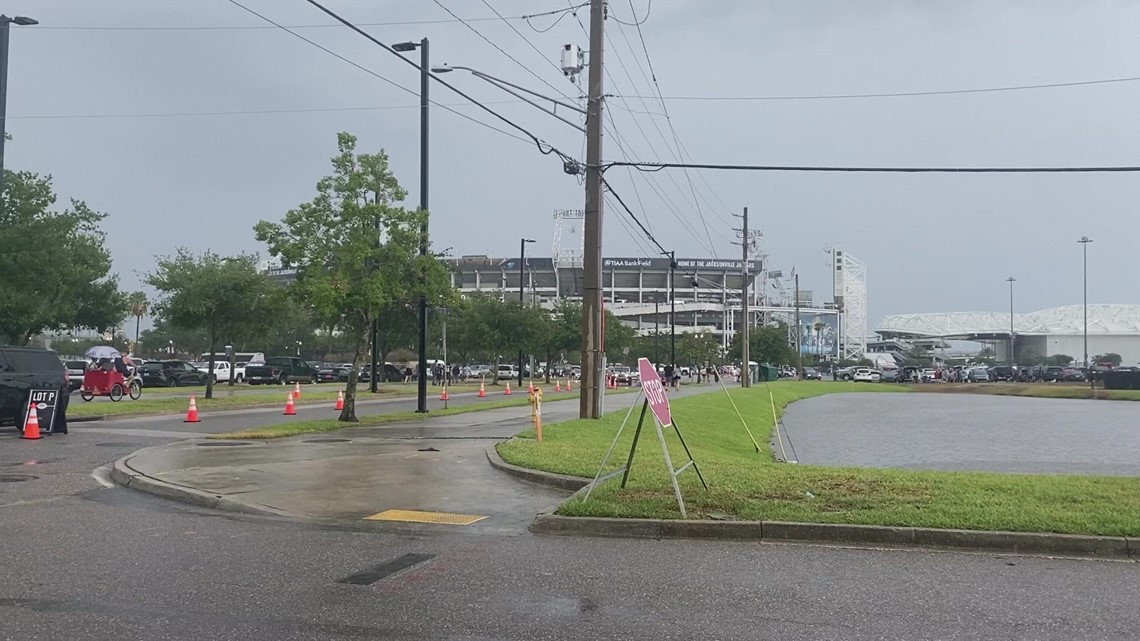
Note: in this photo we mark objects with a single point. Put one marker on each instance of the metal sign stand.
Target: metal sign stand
(624, 471)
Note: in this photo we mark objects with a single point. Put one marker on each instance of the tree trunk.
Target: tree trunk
(348, 414)
(210, 368)
(548, 364)
(495, 371)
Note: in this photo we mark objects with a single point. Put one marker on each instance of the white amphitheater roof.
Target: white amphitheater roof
(1103, 319)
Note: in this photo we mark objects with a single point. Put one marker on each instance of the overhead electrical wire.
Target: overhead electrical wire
(636, 22)
(391, 82)
(658, 166)
(252, 112)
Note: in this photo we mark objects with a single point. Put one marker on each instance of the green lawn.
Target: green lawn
(752, 486)
(225, 399)
(1034, 390)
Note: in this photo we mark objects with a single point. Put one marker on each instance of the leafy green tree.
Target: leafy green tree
(164, 340)
(698, 348)
(54, 265)
(225, 298)
(987, 356)
(1114, 359)
(619, 339)
(768, 344)
(356, 251)
(139, 306)
(1027, 355)
(1060, 360)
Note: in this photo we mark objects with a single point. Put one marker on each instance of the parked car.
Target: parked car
(171, 373)
(812, 374)
(222, 371)
(624, 375)
(279, 370)
(1002, 373)
(1054, 373)
(1074, 374)
(978, 375)
(23, 369)
(890, 375)
(75, 371)
(507, 372)
(866, 375)
(332, 375)
(387, 372)
(479, 371)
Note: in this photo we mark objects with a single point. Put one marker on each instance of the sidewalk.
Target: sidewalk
(436, 464)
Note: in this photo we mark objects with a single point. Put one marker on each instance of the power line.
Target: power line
(658, 166)
(900, 94)
(527, 40)
(250, 112)
(391, 82)
(636, 23)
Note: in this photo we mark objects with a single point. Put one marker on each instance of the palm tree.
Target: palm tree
(139, 307)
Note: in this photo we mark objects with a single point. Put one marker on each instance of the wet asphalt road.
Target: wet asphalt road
(967, 432)
(83, 561)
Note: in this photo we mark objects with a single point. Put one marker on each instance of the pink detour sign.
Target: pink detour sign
(654, 392)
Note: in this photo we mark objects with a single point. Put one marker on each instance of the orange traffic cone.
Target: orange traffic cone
(443, 395)
(508, 392)
(557, 386)
(32, 428)
(290, 409)
(297, 391)
(192, 413)
(339, 400)
(568, 388)
(482, 391)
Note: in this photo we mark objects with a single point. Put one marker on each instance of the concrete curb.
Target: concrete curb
(549, 479)
(1021, 543)
(123, 474)
(1024, 543)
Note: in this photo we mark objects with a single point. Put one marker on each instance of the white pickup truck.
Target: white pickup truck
(222, 371)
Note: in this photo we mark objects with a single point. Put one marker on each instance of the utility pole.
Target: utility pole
(799, 351)
(673, 313)
(5, 31)
(421, 379)
(1011, 281)
(1084, 241)
(590, 399)
(745, 245)
(656, 333)
(522, 294)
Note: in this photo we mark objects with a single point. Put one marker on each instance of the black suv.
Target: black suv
(23, 369)
(171, 374)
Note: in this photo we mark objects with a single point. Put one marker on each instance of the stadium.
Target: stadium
(1059, 330)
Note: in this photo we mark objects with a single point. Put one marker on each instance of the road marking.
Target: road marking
(417, 516)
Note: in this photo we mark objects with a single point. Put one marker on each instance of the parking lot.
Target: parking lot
(966, 432)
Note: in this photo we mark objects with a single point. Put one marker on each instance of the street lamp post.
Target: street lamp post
(1011, 281)
(673, 314)
(522, 285)
(5, 25)
(425, 76)
(1084, 241)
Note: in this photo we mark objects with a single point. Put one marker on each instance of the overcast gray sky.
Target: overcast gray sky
(932, 242)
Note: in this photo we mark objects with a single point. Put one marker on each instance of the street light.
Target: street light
(1011, 280)
(5, 24)
(1084, 241)
(425, 65)
(513, 89)
(522, 263)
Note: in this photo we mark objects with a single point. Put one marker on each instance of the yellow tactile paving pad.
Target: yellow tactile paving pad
(416, 516)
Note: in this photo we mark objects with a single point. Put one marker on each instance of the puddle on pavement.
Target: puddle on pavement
(222, 443)
(122, 444)
(16, 478)
(328, 440)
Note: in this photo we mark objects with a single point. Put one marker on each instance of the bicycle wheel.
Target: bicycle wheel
(116, 393)
(136, 390)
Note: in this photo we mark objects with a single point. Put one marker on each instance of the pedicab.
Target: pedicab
(103, 379)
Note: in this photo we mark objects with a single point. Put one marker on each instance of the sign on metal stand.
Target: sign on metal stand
(657, 401)
(46, 401)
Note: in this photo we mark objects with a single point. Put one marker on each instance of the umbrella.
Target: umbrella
(103, 351)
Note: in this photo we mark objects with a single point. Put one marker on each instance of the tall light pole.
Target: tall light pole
(1011, 281)
(1084, 241)
(522, 287)
(425, 76)
(673, 313)
(5, 25)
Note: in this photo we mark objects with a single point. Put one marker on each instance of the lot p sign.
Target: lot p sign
(654, 392)
(46, 401)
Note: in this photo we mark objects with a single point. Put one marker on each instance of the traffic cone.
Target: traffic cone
(482, 391)
(557, 386)
(32, 428)
(443, 394)
(568, 388)
(508, 392)
(290, 409)
(192, 413)
(297, 391)
(339, 400)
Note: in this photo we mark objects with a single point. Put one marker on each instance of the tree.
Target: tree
(987, 356)
(225, 298)
(1060, 360)
(559, 333)
(139, 305)
(1028, 355)
(355, 251)
(497, 328)
(618, 339)
(54, 265)
(164, 340)
(1113, 359)
(769, 344)
(698, 348)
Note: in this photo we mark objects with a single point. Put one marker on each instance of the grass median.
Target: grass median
(1031, 390)
(752, 486)
(227, 399)
(294, 428)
